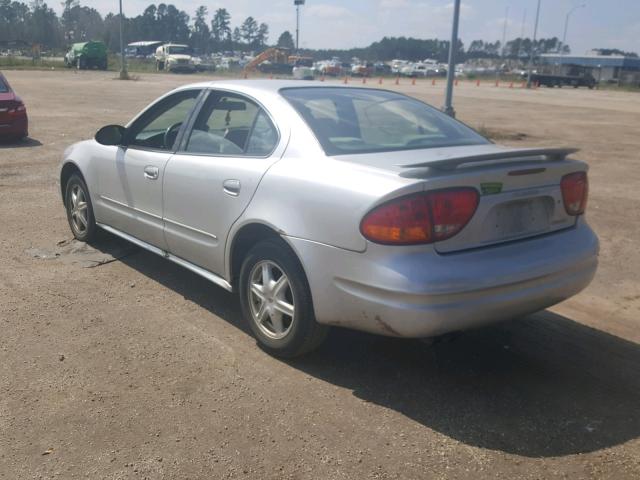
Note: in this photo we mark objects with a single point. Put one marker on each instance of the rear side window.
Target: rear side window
(231, 124)
(360, 120)
(4, 88)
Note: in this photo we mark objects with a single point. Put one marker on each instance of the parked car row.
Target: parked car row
(358, 68)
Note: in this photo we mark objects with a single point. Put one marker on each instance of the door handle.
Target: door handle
(231, 187)
(151, 172)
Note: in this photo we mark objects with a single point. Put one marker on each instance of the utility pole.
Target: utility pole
(503, 46)
(451, 70)
(297, 3)
(524, 21)
(566, 25)
(123, 67)
(504, 30)
(533, 43)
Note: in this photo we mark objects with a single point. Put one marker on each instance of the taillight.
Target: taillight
(575, 190)
(424, 217)
(17, 108)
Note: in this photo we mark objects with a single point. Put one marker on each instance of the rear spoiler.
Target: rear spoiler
(515, 156)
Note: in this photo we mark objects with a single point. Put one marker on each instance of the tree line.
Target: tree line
(37, 23)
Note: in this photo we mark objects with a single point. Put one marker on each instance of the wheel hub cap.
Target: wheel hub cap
(79, 210)
(271, 299)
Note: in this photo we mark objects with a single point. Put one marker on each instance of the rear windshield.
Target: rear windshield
(361, 120)
(4, 88)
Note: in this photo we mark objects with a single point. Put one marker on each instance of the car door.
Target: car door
(130, 180)
(209, 182)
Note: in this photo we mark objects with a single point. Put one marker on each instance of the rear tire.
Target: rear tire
(80, 209)
(276, 301)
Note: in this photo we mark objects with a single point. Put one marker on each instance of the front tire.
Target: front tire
(276, 301)
(79, 209)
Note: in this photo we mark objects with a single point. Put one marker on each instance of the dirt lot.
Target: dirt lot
(136, 368)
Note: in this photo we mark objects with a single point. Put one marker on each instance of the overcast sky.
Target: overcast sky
(349, 23)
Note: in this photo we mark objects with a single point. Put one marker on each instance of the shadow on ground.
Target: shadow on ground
(24, 143)
(540, 386)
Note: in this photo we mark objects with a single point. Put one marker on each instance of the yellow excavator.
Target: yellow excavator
(278, 61)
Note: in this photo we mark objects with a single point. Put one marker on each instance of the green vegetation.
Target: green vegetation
(621, 88)
(21, 63)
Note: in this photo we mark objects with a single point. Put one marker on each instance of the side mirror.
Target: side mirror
(110, 135)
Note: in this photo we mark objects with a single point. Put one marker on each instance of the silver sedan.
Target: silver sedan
(325, 205)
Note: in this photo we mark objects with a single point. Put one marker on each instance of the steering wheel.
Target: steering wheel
(167, 135)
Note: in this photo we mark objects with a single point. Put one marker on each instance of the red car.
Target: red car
(13, 113)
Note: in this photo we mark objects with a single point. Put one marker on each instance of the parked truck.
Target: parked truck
(87, 55)
(173, 57)
(575, 81)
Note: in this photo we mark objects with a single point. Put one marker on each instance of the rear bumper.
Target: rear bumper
(17, 127)
(413, 293)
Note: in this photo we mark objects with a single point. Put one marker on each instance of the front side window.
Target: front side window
(360, 120)
(231, 124)
(158, 127)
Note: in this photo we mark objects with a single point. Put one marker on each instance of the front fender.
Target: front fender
(82, 156)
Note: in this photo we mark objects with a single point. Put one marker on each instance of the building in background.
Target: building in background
(624, 70)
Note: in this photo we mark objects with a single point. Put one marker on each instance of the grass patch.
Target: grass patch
(615, 88)
(20, 63)
(501, 135)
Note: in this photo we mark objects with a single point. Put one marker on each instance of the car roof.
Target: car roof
(265, 86)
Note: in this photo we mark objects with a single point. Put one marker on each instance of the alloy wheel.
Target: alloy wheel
(271, 299)
(79, 210)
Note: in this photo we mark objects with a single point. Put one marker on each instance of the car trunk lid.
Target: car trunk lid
(520, 194)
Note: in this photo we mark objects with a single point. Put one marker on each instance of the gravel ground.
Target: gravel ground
(116, 364)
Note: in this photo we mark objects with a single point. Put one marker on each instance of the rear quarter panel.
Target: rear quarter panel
(322, 199)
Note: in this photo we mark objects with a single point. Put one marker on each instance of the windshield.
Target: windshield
(178, 50)
(360, 120)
